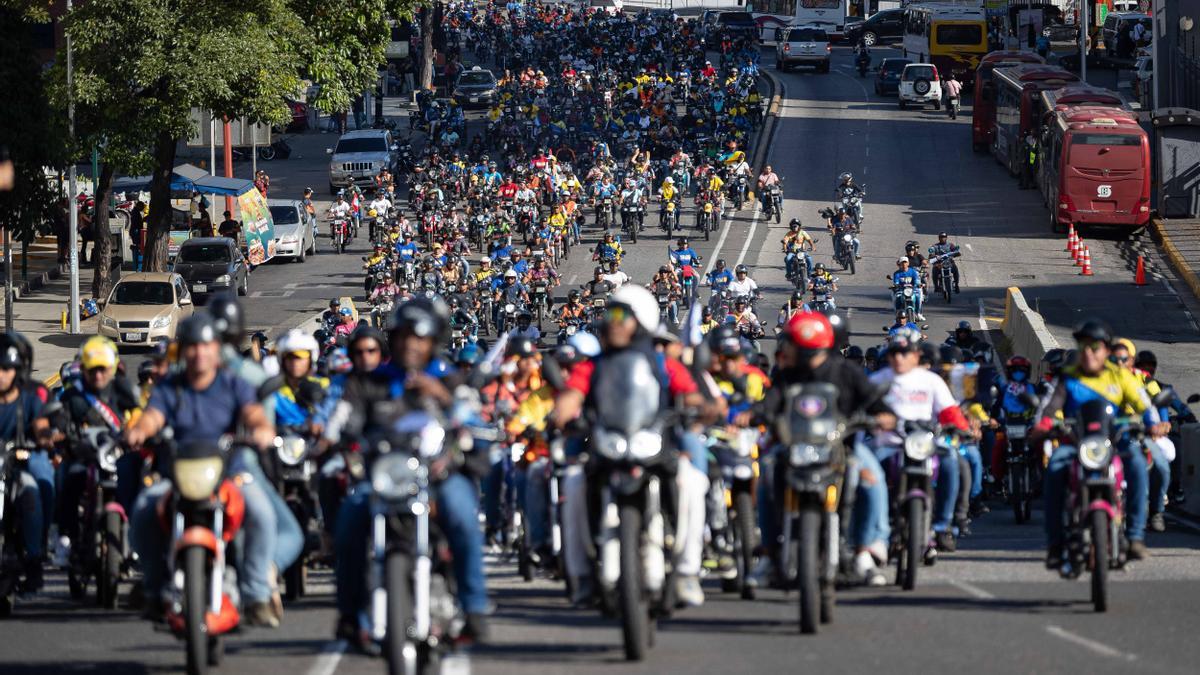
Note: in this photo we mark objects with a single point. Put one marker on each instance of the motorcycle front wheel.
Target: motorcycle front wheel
(1099, 526)
(635, 610)
(807, 572)
(397, 577)
(108, 577)
(195, 592)
(743, 523)
(914, 546)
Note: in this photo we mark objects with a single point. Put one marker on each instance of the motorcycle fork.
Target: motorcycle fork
(608, 546)
(653, 556)
(791, 512)
(375, 576)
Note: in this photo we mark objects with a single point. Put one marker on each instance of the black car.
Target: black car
(887, 77)
(884, 26)
(476, 87)
(212, 265)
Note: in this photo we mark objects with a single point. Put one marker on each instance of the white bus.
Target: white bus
(773, 14)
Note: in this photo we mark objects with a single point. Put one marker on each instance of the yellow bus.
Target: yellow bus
(951, 37)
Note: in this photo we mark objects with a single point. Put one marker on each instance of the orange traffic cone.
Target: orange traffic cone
(1139, 279)
(1070, 237)
(1087, 262)
(1077, 253)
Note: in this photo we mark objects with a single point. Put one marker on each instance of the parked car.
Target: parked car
(145, 307)
(1061, 32)
(607, 6)
(1115, 24)
(920, 84)
(476, 88)
(295, 233)
(887, 75)
(212, 265)
(359, 156)
(882, 26)
(802, 46)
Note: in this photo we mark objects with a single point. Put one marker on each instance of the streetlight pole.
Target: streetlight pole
(1083, 39)
(72, 208)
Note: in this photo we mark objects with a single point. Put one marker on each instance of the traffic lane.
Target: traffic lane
(54, 634)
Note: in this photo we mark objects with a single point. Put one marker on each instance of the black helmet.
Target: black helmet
(854, 353)
(929, 355)
(259, 337)
(145, 370)
(10, 357)
(24, 350)
(963, 325)
(369, 333)
(682, 241)
(573, 296)
(227, 316)
(335, 302)
(1146, 360)
(197, 328)
(521, 347)
(872, 353)
(423, 317)
(950, 354)
(841, 329)
(720, 262)
(724, 340)
(742, 269)
(1093, 329)
(794, 222)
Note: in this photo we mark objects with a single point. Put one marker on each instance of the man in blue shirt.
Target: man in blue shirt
(720, 277)
(684, 254)
(19, 407)
(906, 277)
(202, 403)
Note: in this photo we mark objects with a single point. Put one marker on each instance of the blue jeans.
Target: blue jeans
(1160, 478)
(1136, 491)
(42, 470)
(869, 521)
(945, 492)
(975, 460)
(498, 487)
(536, 501)
(30, 501)
(271, 533)
(458, 516)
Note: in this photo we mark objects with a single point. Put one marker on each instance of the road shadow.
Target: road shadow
(1020, 606)
(79, 668)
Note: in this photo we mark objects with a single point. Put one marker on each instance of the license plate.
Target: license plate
(199, 288)
(1015, 432)
(134, 337)
(474, 99)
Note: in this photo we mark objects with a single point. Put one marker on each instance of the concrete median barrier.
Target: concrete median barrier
(1026, 330)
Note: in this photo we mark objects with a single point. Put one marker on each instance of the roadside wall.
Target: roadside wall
(1026, 330)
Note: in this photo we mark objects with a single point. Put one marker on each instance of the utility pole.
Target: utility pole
(8, 283)
(1083, 39)
(72, 208)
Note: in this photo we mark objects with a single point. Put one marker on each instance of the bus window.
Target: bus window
(959, 34)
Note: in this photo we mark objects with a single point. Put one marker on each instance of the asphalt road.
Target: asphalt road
(991, 607)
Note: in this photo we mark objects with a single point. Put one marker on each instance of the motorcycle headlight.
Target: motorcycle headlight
(645, 444)
(107, 457)
(291, 449)
(805, 454)
(396, 476)
(196, 479)
(609, 445)
(510, 308)
(847, 238)
(1095, 453)
(908, 292)
(919, 445)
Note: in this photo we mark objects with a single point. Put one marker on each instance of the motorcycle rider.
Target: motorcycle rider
(719, 277)
(615, 275)
(416, 376)
(822, 280)
(942, 247)
(297, 394)
(951, 90)
(385, 290)
(906, 277)
(525, 329)
(509, 289)
(766, 179)
(840, 225)
(743, 285)
(847, 186)
(201, 403)
(609, 249)
(1013, 386)
(797, 244)
(684, 255)
(794, 305)
(1093, 377)
(808, 352)
(20, 408)
(964, 338)
(1123, 353)
(630, 321)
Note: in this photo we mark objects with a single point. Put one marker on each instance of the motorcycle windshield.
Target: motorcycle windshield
(811, 416)
(628, 392)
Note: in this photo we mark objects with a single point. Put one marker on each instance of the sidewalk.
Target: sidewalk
(42, 265)
(38, 315)
(1180, 239)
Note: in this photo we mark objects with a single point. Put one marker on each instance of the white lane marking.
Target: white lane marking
(573, 279)
(1089, 644)
(327, 662)
(749, 236)
(983, 326)
(972, 590)
(720, 242)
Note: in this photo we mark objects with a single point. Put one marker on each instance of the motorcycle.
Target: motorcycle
(904, 298)
(670, 217)
(775, 203)
(381, 309)
(541, 300)
(843, 249)
(852, 201)
(104, 526)
(706, 219)
(862, 62)
(202, 513)
(952, 107)
(631, 465)
(294, 473)
(339, 233)
(732, 516)
(913, 472)
(943, 273)
(738, 192)
(631, 220)
(822, 299)
(14, 460)
(568, 328)
(1023, 470)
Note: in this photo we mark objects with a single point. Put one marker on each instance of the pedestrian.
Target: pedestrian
(1138, 33)
(1043, 45)
(262, 181)
(229, 227)
(60, 223)
(136, 230)
(85, 229)
(360, 115)
(1029, 161)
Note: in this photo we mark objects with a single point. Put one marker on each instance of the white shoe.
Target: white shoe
(761, 574)
(864, 568)
(688, 591)
(878, 551)
(62, 552)
(920, 317)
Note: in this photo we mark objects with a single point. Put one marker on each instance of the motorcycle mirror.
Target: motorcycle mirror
(1194, 398)
(329, 151)
(1163, 398)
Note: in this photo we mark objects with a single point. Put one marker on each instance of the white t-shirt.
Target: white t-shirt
(738, 288)
(915, 396)
(617, 279)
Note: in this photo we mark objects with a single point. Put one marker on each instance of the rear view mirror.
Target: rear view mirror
(329, 151)
(185, 300)
(1194, 398)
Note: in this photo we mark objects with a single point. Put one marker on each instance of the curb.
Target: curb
(770, 121)
(1178, 262)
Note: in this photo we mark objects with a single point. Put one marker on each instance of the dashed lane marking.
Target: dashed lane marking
(1091, 645)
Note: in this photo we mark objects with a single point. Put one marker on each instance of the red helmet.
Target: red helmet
(1018, 361)
(810, 330)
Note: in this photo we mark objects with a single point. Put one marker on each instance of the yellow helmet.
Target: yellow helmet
(372, 213)
(98, 352)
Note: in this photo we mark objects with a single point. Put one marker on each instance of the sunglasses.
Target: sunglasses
(1119, 359)
(1092, 346)
(617, 313)
(364, 350)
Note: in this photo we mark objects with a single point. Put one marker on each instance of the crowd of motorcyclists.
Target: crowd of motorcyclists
(649, 444)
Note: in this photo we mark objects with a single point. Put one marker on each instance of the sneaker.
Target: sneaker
(584, 591)
(688, 592)
(1137, 550)
(761, 574)
(931, 555)
(865, 569)
(1157, 523)
(945, 542)
(879, 552)
(726, 567)
(261, 614)
(276, 600)
(920, 317)
(356, 636)
(978, 508)
(476, 627)
(62, 552)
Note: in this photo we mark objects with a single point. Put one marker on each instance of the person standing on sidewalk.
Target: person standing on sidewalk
(137, 226)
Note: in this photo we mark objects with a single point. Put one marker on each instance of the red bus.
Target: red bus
(1095, 168)
(1017, 88)
(983, 113)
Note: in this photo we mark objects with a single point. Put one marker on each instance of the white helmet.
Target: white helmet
(296, 340)
(668, 180)
(641, 302)
(585, 343)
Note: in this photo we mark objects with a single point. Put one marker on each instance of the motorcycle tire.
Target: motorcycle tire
(808, 576)
(195, 605)
(1098, 522)
(743, 524)
(633, 232)
(946, 292)
(707, 230)
(397, 580)
(216, 650)
(851, 263)
(1017, 496)
(634, 608)
(828, 600)
(266, 153)
(914, 543)
(108, 576)
(295, 580)
(76, 585)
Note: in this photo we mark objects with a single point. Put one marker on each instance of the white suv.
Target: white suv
(919, 83)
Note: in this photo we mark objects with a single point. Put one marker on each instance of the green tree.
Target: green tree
(30, 132)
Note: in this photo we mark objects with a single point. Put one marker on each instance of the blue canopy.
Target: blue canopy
(188, 178)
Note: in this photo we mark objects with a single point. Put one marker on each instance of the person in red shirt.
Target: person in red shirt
(630, 324)
(508, 189)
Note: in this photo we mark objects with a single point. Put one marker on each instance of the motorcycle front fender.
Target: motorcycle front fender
(1103, 505)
